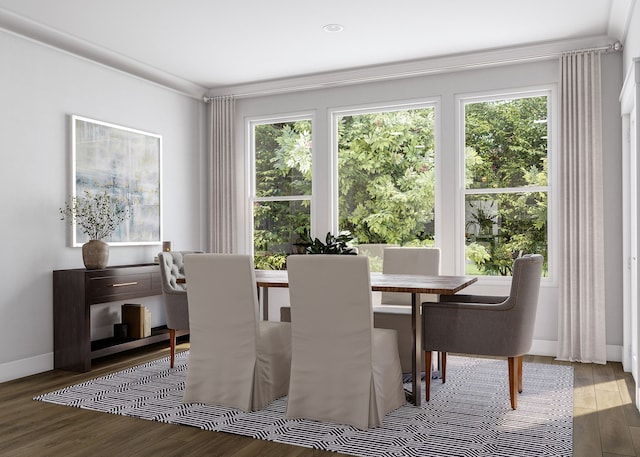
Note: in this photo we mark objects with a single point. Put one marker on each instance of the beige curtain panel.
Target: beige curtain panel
(222, 213)
(581, 310)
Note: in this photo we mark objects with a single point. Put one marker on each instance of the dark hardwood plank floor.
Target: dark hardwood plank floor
(606, 422)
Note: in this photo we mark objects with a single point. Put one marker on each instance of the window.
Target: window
(386, 177)
(280, 194)
(506, 181)
(379, 182)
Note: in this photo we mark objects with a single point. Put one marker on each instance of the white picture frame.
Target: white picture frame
(125, 163)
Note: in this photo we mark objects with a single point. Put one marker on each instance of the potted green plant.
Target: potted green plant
(98, 216)
(331, 245)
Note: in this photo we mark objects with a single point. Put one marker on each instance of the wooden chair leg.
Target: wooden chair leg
(427, 375)
(172, 345)
(443, 367)
(520, 373)
(513, 381)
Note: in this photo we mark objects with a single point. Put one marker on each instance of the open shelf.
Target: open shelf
(108, 346)
(76, 290)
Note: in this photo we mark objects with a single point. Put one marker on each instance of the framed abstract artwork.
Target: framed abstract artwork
(126, 164)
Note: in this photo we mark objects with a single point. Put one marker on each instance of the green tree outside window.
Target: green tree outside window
(506, 158)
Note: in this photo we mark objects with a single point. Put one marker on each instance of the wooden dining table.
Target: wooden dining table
(413, 284)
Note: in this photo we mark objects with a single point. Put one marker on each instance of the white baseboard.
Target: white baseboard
(38, 364)
(26, 367)
(547, 348)
(550, 348)
(614, 353)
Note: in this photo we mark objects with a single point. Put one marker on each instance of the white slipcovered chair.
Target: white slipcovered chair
(342, 369)
(176, 310)
(394, 311)
(235, 360)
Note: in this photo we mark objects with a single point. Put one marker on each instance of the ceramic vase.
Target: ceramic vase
(95, 254)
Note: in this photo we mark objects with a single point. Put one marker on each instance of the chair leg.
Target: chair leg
(427, 375)
(443, 367)
(172, 345)
(520, 373)
(513, 381)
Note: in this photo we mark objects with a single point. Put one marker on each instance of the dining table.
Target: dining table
(384, 282)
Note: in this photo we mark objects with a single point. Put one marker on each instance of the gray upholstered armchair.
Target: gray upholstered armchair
(483, 325)
(175, 295)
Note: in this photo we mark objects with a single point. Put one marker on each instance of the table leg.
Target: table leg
(265, 303)
(416, 350)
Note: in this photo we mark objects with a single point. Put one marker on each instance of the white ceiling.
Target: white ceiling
(208, 44)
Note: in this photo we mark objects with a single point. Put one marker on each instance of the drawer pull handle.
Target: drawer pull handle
(125, 284)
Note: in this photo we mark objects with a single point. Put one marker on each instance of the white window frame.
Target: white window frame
(552, 215)
(250, 124)
(335, 113)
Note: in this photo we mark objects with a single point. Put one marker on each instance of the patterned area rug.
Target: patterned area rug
(470, 415)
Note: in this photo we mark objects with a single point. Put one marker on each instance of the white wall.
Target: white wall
(445, 87)
(39, 88)
(631, 48)
(612, 78)
(631, 54)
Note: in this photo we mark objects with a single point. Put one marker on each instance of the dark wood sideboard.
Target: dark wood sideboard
(76, 290)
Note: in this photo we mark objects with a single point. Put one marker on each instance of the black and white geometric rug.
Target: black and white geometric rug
(470, 415)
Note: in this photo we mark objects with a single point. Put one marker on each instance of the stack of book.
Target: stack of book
(138, 319)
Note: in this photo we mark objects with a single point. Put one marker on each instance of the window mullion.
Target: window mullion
(507, 190)
(284, 198)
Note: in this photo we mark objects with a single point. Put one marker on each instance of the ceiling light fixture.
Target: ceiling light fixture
(331, 28)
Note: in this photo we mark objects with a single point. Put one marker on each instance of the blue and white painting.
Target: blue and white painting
(125, 163)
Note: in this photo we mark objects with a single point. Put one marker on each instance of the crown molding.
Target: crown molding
(21, 26)
(48, 36)
(443, 64)
(619, 18)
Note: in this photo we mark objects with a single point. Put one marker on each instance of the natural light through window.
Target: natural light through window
(506, 182)
(281, 197)
(386, 178)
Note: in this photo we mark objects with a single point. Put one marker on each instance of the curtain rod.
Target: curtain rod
(210, 99)
(613, 47)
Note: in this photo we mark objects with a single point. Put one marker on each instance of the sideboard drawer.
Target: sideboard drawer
(76, 290)
(108, 288)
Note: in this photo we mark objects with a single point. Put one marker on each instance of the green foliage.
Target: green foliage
(98, 215)
(506, 147)
(420, 243)
(332, 244)
(386, 175)
(283, 169)
(276, 224)
(509, 138)
(386, 182)
(283, 159)
(270, 261)
(477, 253)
